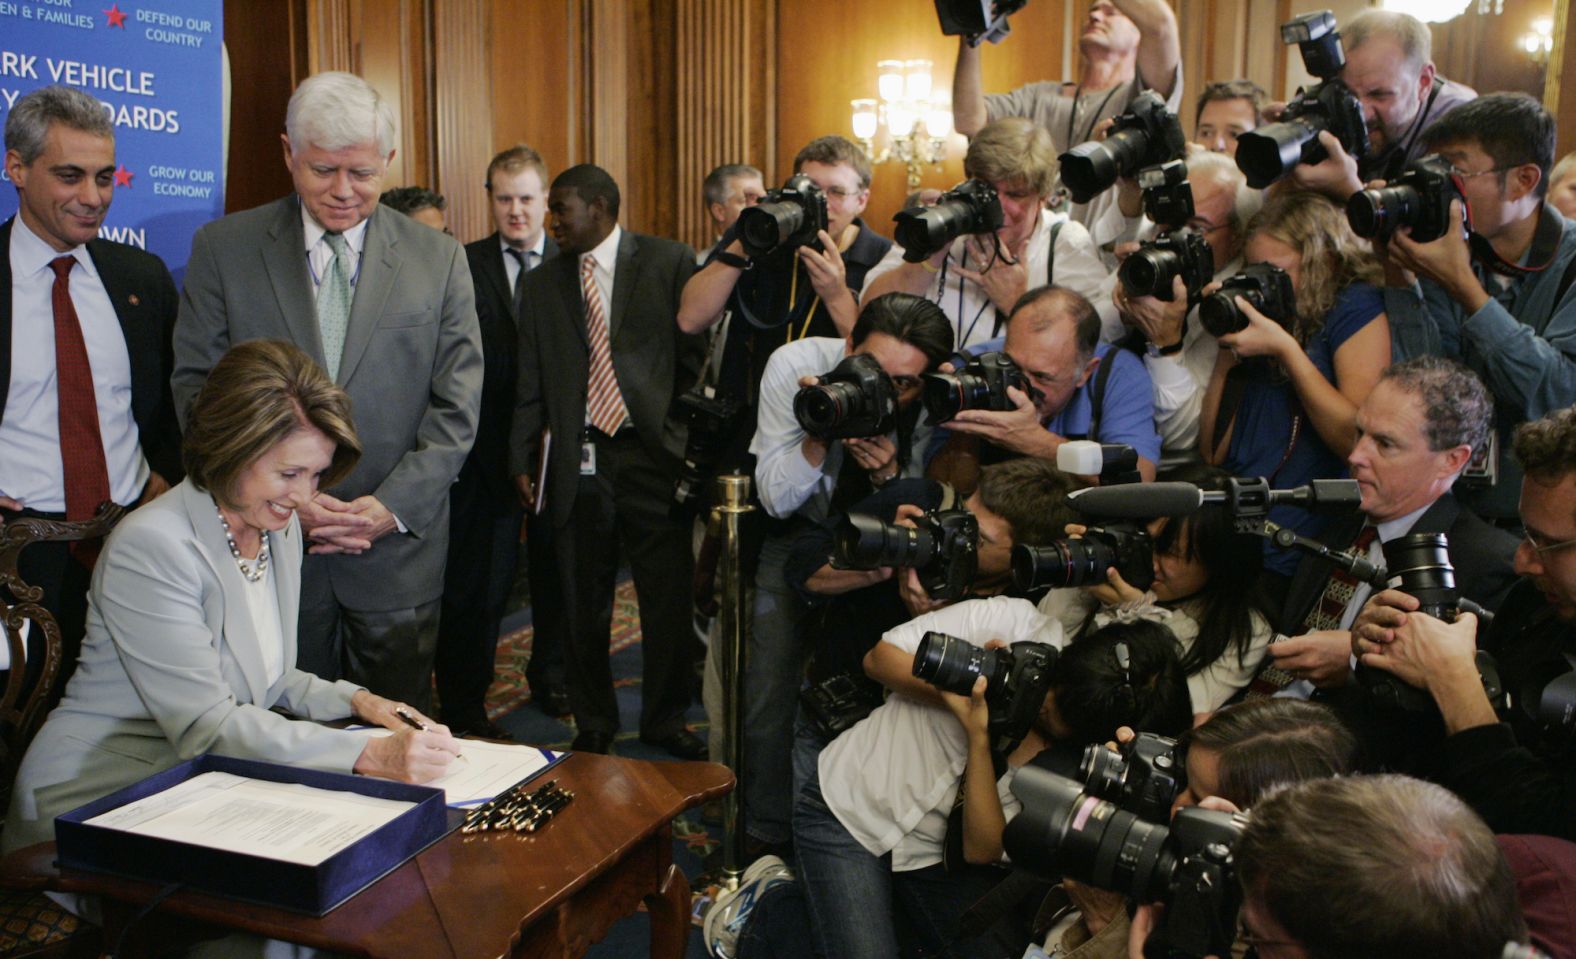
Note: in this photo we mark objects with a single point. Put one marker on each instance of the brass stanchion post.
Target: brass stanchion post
(733, 502)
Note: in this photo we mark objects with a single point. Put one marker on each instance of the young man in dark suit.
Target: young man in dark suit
(484, 511)
(601, 361)
(85, 408)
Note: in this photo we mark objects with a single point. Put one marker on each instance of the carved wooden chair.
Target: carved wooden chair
(30, 923)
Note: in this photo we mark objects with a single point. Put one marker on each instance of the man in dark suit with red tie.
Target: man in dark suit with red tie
(484, 510)
(85, 409)
(601, 361)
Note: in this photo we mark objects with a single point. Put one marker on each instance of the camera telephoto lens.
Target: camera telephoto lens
(945, 395)
(766, 226)
(1272, 151)
(951, 664)
(1376, 213)
(866, 542)
(1063, 562)
(1419, 565)
(1148, 272)
(1219, 314)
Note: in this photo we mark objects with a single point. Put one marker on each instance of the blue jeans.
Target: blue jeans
(773, 672)
(859, 907)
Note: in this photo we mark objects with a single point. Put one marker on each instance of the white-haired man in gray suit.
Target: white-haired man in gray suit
(385, 304)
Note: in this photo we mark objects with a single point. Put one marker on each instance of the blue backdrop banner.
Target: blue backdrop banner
(156, 68)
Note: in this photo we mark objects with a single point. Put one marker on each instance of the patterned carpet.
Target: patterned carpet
(696, 843)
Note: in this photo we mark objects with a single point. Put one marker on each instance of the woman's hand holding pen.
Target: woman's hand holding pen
(418, 751)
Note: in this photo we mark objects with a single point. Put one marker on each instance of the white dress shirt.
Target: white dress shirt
(319, 254)
(532, 257)
(30, 467)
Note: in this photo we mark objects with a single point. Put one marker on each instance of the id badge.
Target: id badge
(587, 458)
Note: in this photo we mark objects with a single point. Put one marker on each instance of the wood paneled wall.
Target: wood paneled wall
(660, 91)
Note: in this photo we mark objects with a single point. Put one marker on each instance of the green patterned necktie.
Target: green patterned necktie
(333, 303)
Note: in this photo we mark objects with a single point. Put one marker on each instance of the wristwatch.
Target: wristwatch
(1172, 350)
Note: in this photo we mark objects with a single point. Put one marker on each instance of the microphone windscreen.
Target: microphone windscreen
(1137, 500)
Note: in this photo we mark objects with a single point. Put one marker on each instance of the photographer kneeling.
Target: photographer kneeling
(1517, 773)
(835, 423)
(1310, 339)
(871, 826)
(1195, 575)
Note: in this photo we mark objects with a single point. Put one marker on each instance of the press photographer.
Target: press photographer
(800, 278)
(1078, 388)
(1226, 110)
(802, 479)
(1126, 47)
(1422, 878)
(1282, 401)
(1389, 70)
(977, 262)
(1196, 575)
(1494, 297)
(1179, 351)
(872, 826)
(904, 550)
(1417, 430)
(1518, 773)
(1239, 754)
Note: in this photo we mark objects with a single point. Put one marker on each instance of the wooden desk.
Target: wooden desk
(480, 896)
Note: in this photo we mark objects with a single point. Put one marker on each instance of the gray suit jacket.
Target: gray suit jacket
(171, 668)
(412, 366)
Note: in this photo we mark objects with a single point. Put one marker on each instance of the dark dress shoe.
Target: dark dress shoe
(681, 743)
(482, 728)
(592, 741)
(552, 700)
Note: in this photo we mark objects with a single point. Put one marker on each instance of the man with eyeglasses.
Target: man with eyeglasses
(1416, 431)
(1515, 772)
(1178, 352)
(1494, 296)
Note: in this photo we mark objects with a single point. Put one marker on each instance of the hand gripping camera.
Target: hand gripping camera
(1271, 152)
(855, 399)
(784, 219)
(1143, 778)
(1419, 198)
(1151, 268)
(970, 207)
(1146, 135)
(942, 547)
(1016, 680)
(1267, 287)
(981, 385)
(1187, 863)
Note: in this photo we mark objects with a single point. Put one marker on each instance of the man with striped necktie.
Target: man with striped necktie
(601, 361)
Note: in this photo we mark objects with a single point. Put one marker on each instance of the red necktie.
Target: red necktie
(1338, 590)
(604, 402)
(81, 444)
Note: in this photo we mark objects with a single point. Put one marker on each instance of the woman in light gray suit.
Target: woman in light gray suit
(191, 638)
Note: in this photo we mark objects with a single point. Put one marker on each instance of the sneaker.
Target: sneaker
(727, 916)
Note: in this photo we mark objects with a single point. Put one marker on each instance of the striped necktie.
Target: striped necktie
(604, 403)
(333, 303)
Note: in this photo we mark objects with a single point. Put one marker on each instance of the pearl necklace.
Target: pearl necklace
(252, 573)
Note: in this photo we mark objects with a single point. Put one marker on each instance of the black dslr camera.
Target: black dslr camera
(1150, 269)
(856, 398)
(1168, 196)
(968, 208)
(1017, 679)
(981, 385)
(1143, 778)
(1187, 864)
(977, 19)
(784, 219)
(1146, 135)
(711, 421)
(1267, 287)
(942, 547)
(1419, 198)
(1083, 562)
(1271, 152)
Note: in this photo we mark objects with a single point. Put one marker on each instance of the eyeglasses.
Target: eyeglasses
(839, 193)
(1541, 548)
(1459, 173)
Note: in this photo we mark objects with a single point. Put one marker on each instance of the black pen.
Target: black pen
(409, 720)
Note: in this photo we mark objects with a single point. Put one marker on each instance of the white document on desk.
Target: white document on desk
(484, 769)
(284, 821)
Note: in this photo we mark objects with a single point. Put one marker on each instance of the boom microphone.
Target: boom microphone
(1138, 500)
(1243, 497)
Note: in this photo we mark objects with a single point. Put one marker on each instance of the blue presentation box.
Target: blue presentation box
(314, 890)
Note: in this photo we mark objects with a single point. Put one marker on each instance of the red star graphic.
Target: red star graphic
(123, 176)
(117, 18)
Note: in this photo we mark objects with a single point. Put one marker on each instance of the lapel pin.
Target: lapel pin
(134, 300)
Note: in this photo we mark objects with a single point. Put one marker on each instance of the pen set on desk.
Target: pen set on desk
(513, 810)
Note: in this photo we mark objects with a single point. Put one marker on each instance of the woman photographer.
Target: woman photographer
(1205, 579)
(1282, 402)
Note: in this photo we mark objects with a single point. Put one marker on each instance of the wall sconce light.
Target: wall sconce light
(917, 125)
(1539, 42)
